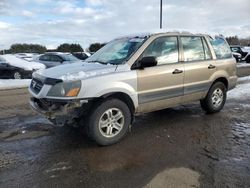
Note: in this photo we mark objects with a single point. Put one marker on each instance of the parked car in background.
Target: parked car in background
(27, 56)
(134, 75)
(52, 59)
(16, 68)
(237, 56)
(8, 71)
(81, 55)
(245, 54)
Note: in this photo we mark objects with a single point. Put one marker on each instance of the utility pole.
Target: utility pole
(160, 14)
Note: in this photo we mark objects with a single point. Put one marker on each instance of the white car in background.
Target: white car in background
(22, 68)
(27, 56)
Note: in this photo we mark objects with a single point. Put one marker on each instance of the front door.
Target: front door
(161, 86)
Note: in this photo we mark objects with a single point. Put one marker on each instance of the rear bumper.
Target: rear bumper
(60, 113)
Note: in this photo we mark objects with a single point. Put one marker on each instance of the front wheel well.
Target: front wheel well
(123, 97)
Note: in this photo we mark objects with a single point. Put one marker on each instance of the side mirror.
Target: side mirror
(149, 61)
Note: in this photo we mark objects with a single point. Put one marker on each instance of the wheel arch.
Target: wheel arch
(123, 97)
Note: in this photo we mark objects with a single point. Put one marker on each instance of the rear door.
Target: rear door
(45, 59)
(161, 86)
(199, 67)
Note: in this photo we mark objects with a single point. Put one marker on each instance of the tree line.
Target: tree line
(66, 47)
(37, 48)
(234, 40)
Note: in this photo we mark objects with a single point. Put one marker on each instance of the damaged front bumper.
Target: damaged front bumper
(61, 112)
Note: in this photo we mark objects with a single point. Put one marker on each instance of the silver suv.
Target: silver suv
(134, 75)
(52, 59)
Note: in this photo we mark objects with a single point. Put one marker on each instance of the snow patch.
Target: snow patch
(11, 84)
(82, 75)
(242, 91)
(244, 79)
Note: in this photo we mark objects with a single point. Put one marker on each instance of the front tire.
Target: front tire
(109, 122)
(215, 99)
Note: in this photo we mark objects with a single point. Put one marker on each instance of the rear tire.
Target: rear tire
(215, 99)
(108, 122)
(17, 75)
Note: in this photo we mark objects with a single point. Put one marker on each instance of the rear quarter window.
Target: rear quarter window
(221, 48)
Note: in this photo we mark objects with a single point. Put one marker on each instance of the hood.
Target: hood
(77, 71)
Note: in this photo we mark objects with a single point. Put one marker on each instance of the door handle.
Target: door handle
(211, 66)
(177, 71)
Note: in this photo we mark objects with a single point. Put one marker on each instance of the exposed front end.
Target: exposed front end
(57, 100)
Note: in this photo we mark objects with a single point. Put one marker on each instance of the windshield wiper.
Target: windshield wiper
(103, 63)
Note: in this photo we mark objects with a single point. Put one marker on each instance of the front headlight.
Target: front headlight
(65, 89)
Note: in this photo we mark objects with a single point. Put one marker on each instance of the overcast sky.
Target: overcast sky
(51, 22)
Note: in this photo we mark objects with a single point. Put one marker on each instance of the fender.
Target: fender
(114, 87)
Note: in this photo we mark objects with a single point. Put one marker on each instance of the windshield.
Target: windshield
(117, 51)
(69, 57)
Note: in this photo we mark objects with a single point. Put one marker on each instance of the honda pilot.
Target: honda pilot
(134, 75)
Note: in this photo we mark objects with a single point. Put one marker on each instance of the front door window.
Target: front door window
(165, 49)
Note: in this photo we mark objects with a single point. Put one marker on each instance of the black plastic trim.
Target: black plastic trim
(51, 81)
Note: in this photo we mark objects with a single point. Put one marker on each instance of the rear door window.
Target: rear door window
(55, 58)
(44, 58)
(221, 48)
